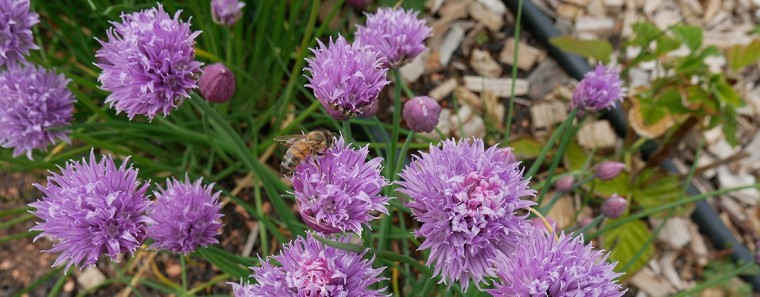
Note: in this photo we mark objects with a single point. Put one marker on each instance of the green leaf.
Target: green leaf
(624, 242)
(526, 147)
(646, 32)
(666, 44)
(670, 99)
(725, 91)
(651, 112)
(654, 187)
(575, 156)
(595, 48)
(730, 124)
(690, 35)
(618, 185)
(740, 56)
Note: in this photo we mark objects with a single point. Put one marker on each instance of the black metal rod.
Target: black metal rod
(704, 216)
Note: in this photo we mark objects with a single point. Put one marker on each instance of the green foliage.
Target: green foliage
(740, 56)
(689, 89)
(596, 48)
(625, 242)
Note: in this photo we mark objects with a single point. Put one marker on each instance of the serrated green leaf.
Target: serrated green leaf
(597, 49)
(666, 44)
(740, 56)
(654, 187)
(646, 32)
(730, 123)
(618, 185)
(670, 99)
(526, 147)
(690, 35)
(651, 112)
(624, 242)
(725, 92)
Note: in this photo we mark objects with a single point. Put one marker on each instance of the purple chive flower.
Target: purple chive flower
(544, 265)
(340, 190)
(421, 114)
(37, 108)
(92, 208)
(465, 197)
(148, 63)
(599, 89)
(608, 170)
(186, 216)
(310, 268)
(226, 12)
(396, 33)
(346, 78)
(16, 21)
(614, 206)
(217, 83)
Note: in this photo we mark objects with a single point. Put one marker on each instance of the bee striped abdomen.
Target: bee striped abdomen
(292, 158)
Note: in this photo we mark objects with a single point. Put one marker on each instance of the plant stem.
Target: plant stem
(184, 272)
(518, 19)
(396, 122)
(347, 131)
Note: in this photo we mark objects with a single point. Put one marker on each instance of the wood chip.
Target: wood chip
(577, 2)
(90, 277)
(669, 271)
(596, 25)
(646, 280)
(729, 179)
(469, 98)
(673, 233)
(711, 9)
(698, 246)
(451, 43)
(482, 62)
(488, 18)
(443, 90)
(596, 134)
(545, 79)
(495, 6)
(502, 87)
(494, 110)
(527, 55)
(412, 71)
(562, 212)
(569, 11)
(546, 114)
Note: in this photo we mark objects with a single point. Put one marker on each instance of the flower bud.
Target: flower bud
(608, 170)
(226, 12)
(614, 206)
(421, 114)
(564, 184)
(217, 83)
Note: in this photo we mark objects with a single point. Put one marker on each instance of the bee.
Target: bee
(301, 146)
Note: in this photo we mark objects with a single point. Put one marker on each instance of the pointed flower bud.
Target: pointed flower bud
(421, 114)
(564, 184)
(608, 170)
(217, 83)
(226, 12)
(614, 206)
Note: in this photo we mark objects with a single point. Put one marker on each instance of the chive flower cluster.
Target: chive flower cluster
(94, 207)
(347, 77)
(471, 201)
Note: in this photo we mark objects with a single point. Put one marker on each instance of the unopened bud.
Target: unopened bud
(217, 83)
(564, 184)
(421, 114)
(226, 12)
(608, 170)
(614, 206)
(584, 221)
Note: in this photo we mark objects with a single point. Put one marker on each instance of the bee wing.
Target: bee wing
(289, 140)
